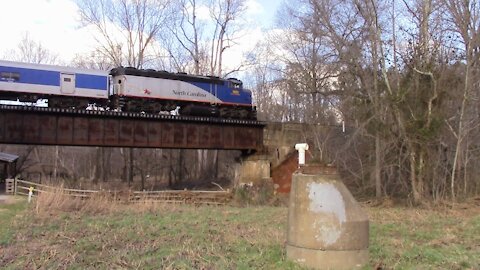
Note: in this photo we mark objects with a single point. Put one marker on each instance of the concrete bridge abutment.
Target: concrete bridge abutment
(252, 170)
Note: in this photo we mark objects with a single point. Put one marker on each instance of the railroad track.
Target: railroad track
(130, 115)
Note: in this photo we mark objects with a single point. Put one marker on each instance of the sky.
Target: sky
(55, 24)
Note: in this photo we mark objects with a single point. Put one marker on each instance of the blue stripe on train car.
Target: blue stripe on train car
(47, 77)
(227, 94)
(88, 81)
(34, 76)
(231, 95)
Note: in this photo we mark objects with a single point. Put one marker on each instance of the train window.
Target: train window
(67, 79)
(10, 76)
(235, 83)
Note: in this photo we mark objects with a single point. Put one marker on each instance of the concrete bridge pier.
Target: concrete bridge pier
(327, 229)
(252, 170)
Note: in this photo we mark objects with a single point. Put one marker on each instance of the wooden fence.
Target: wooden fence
(183, 196)
(21, 187)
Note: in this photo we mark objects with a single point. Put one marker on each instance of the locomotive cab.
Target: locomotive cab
(235, 83)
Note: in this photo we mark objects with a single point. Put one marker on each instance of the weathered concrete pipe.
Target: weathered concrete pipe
(327, 229)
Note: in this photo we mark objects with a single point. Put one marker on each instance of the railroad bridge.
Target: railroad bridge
(69, 127)
(272, 143)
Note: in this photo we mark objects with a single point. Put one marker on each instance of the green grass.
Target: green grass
(8, 213)
(420, 239)
(179, 238)
(186, 237)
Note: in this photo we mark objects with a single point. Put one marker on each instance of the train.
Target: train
(126, 89)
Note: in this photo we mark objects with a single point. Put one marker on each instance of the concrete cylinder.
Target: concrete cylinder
(327, 229)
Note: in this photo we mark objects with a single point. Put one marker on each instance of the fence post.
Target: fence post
(15, 183)
(9, 186)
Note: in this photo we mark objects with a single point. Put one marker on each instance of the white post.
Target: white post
(30, 194)
(301, 148)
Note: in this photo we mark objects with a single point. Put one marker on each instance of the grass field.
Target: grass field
(187, 237)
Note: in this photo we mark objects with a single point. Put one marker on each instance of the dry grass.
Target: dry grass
(101, 203)
(57, 200)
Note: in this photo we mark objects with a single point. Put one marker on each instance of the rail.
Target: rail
(135, 115)
(21, 187)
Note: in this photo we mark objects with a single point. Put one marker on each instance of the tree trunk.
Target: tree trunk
(378, 167)
(417, 198)
(55, 168)
(130, 167)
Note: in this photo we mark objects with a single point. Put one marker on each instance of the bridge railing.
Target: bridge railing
(21, 187)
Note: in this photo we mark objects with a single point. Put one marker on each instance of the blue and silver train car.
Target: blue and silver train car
(62, 86)
(153, 91)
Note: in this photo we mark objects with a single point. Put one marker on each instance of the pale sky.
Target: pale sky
(55, 24)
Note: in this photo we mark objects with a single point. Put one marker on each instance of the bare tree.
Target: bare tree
(31, 51)
(188, 47)
(125, 29)
(386, 77)
(464, 17)
(224, 13)
(94, 60)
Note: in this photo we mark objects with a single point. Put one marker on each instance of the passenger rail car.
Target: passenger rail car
(155, 91)
(62, 86)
